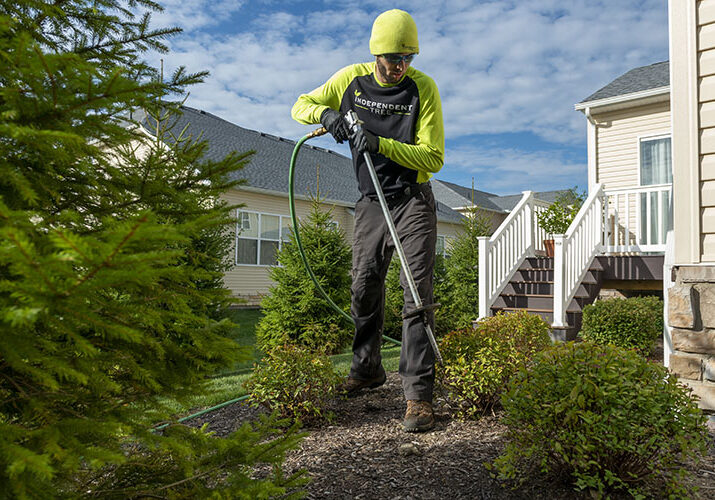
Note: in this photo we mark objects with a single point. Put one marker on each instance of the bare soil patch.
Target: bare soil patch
(365, 454)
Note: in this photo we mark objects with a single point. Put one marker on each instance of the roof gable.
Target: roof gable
(640, 79)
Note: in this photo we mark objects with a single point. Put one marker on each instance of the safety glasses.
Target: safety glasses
(397, 58)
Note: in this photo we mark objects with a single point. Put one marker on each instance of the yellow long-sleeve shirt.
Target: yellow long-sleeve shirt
(406, 116)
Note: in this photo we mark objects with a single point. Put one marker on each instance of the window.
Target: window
(655, 156)
(655, 169)
(259, 237)
(443, 245)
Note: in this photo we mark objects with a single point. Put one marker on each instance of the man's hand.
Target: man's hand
(335, 124)
(365, 141)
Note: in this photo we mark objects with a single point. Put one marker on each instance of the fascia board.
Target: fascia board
(649, 96)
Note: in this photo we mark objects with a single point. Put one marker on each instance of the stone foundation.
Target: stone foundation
(691, 316)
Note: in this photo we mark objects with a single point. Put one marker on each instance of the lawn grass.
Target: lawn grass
(224, 388)
(228, 384)
(245, 335)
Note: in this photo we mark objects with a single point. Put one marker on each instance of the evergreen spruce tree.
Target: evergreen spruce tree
(460, 306)
(294, 310)
(110, 264)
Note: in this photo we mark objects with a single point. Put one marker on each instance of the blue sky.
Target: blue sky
(509, 72)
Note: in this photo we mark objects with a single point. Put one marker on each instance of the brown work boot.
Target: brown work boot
(352, 386)
(419, 416)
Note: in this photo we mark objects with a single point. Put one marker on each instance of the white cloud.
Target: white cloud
(501, 66)
(518, 170)
(192, 15)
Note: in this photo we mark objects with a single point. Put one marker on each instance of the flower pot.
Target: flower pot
(549, 246)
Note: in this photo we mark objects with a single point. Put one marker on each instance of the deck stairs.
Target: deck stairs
(616, 236)
(531, 288)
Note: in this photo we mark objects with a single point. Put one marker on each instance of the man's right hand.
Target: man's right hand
(334, 122)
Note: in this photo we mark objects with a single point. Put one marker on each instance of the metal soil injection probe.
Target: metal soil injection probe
(420, 309)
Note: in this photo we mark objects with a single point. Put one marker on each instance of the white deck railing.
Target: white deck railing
(574, 251)
(618, 221)
(638, 219)
(501, 254)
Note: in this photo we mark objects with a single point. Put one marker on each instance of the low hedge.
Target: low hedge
(479, 361)
(605, 417)
(632, 323)
(295, 382)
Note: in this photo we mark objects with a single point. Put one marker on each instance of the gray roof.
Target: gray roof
(457, 196)
(268, 167)
(507, 203)
(636, 80)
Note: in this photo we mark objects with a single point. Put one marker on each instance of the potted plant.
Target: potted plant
(558, 217)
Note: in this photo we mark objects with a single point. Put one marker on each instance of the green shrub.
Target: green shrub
(294, 311)
(478, 362)
(295, 382)
(603, 415)
(633, 323)
(460, 301)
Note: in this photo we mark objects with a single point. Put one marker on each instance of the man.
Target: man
(402, 131)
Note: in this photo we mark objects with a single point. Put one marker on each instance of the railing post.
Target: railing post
(559, 289)
(483, 276)
(531, 220)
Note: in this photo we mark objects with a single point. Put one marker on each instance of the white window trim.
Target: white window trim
(258, 238)
(655, 137)
(444, 253)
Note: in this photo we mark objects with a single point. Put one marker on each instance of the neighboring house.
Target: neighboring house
(496, 208)
(618, 240)
(629, 154)
(691, 280)
(264, 220)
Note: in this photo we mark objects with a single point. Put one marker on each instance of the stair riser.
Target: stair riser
(529, 288)
(517, 287)
(543, 275)
(539, 262)
(534, 275)
(524, 302)
(572, 318)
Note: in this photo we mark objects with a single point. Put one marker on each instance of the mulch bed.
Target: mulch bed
(365, 454)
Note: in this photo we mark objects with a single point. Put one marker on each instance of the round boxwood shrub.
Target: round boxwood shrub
(479, 361)
(603, 415)
(633, 323)
(294, 381)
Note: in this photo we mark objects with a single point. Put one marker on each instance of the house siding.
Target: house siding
(706, 118)
(619, 133)
(249, 282)
(690, 318)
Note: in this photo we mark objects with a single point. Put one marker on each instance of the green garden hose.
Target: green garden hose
(294, 219)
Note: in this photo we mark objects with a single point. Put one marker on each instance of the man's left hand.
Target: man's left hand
(365, 141)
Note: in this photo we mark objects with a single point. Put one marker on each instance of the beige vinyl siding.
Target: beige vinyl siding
(495, 218)
(706, 118)
(250, 282)
(449, 231)
(619, 134)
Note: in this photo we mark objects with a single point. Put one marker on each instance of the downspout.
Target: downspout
(592, 150)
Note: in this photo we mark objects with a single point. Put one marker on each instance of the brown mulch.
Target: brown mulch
(365, 454)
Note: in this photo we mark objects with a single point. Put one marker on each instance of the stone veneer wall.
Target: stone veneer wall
(691, 315)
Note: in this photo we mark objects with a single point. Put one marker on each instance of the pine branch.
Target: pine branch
(111, 256)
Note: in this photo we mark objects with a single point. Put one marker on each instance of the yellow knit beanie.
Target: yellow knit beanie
(394, 32)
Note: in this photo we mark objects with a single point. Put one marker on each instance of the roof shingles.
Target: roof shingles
(636, 80)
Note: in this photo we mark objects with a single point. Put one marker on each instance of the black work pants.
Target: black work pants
(416, 223)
